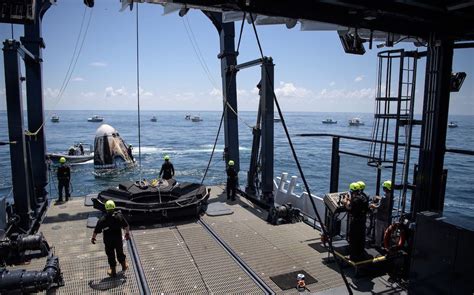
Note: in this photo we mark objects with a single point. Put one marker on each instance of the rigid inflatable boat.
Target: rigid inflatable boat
(141, 201)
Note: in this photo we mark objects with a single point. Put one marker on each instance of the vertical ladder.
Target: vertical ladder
(393, 120)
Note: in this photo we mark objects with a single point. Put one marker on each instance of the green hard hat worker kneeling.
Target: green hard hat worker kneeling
(111, 224)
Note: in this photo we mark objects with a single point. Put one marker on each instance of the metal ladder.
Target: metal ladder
(393, 120)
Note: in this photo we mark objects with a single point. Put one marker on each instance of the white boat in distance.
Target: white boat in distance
(95, 118)
(153, 119)
(196, 119)
(356, 122)
(55, 118)
(453, 124)
(329, 121)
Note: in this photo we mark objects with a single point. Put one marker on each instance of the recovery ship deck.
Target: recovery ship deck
(235, 253)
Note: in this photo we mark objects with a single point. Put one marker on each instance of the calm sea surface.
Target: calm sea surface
(190, 144)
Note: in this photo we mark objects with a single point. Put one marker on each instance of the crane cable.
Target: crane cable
(331, 249)
(138, 97)
(69, 71)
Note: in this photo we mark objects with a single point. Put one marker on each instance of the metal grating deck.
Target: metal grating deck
(185, 257)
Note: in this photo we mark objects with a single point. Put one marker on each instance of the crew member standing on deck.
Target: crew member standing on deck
(64, 178)
(380, 204)
(231, 181)
(111, 225)
(358, 206)
(130, 152)
(167, 169)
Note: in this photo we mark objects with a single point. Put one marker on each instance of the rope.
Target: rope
(213, 148)
(68, 73)
(138, 98)
(295, 156)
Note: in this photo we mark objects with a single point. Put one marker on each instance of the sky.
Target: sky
(312, 72)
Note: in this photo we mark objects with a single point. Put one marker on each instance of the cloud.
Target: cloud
(88, 94)
(215, 92)
(51, 93)
(111, 92)
(362, 93)
(290, 90)
(332, 83)
(242, 92)
(359, 78)
(77, 79)
(143, 93)
(98, 64)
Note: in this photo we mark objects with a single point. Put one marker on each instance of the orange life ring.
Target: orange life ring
(387, 237)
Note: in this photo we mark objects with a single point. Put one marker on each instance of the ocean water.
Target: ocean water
(190, 144)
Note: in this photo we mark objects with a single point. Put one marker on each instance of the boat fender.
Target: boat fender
(387, 237)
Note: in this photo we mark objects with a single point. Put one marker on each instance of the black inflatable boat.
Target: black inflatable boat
(141, 202)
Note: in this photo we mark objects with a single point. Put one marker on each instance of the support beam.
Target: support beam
(335, 159)
(33, 42)
(228, 57)
(18, 152)
(267, 110)
(429, 193)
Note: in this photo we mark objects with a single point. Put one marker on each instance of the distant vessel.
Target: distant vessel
(188, 117)
(96, 118)
(356, 122)
(196, 119)
(452, 124)
(329, 121)
(75, 154)
(55, 118)
(153, 119)
(276, 120)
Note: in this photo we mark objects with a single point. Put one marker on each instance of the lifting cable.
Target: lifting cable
(226, 105)
(70, 70)
(331, 249)
(138, 97)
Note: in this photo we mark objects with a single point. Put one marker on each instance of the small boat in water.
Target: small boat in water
(196, 119)
(76, 154)
(187, 117)
(356, 122)
(329, 121)
(276, 120)
(95, 118)
(153, 119)
(453, 124)
(55, 118)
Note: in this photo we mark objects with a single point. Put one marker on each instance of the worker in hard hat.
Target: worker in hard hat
(130, 152)
(231, 180)
(167, 169)
(111, 224)
(380, 205)
(357, 205)
(64, 178)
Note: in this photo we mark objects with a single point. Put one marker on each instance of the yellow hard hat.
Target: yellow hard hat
(231, 163)
(361, 185)
(354, 186)
(387, 184)
(62, 160)
(167, 157)
(109, 205)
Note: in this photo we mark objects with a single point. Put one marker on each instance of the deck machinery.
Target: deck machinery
(442, 26)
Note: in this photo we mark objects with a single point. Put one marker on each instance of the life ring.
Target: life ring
(387, 237)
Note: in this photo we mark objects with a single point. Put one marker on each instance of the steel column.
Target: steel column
(335, 160)
(267, 109)
(228, 57)
(252, 174)
(33, 42)
(429, 194)
(18, 152)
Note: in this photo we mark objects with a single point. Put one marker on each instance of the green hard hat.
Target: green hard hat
(231, 163)
(167, 157)
(387, 184)
(354, 186)
(109, 205)
(361, 185)
(62, 160)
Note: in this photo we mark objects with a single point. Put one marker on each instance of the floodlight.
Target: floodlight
(456, 81)
(351, 43)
